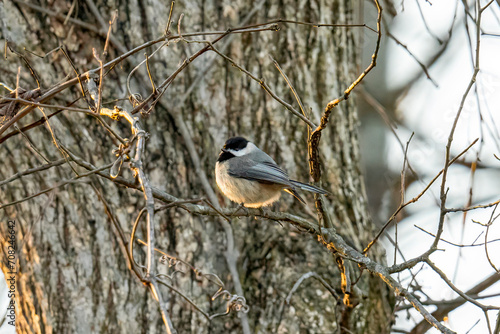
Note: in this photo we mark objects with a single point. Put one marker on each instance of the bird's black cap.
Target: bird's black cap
(233, 143)
(236, 143)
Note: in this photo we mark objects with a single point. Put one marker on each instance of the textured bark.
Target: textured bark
(73, 274)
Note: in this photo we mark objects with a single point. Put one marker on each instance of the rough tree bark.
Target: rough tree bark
(73, 274)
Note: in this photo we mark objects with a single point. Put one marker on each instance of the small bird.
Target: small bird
(250, 177)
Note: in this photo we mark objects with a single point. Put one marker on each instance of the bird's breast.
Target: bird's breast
(250, 193)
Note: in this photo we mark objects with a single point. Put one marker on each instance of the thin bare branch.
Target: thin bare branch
(415, 199)
(455, 244)
(480, 206)
(33, 170)
(314, 139)
(266, 87)
(422, 66)
(443, 189)
(169, 21)
(309, 275)
(58, 185)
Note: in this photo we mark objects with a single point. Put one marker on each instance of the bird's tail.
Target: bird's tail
(295, 194)
(308, 187)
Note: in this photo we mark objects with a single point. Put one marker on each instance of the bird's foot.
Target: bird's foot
(264, 212)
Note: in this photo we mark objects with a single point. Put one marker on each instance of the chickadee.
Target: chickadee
(248, 176)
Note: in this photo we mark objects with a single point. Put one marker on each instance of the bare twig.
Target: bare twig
(314, 160)
(167, 82)
(98, 98)
(415, 199)
(26, 62)
(422, 66)
(138, 169)
(455, 244)
(111, 22)
(488, 225)
(58, 185)
(169, 21)
(294, 92)
(317, 25)
(316, 276)
(126, 54)
(480, 206)
(135, 268)
(458, 291)
(370, 99)
(33, 170)
(443, 190)
(266, 87)
(60, 108)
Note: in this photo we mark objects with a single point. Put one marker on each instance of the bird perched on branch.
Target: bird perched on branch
(250, 177)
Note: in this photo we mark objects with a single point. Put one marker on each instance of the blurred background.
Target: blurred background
(426, 63)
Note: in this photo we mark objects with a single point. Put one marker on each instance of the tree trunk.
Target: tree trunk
(73, 274)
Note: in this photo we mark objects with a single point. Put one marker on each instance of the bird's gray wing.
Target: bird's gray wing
(263, 172)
